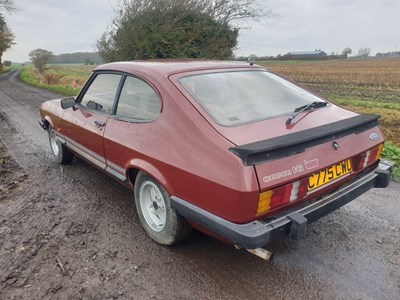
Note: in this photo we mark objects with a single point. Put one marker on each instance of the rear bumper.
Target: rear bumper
(292, 222)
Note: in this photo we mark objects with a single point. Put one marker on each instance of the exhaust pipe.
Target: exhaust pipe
(260, 252)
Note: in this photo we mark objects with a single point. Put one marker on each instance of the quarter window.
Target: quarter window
(101, 93)
(138, 101)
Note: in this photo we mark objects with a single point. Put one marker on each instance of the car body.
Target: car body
(225, 147)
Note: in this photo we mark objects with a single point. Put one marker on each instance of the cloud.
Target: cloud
(330, 25)
(58, 26)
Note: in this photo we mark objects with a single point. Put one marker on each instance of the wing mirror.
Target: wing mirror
(68, 103)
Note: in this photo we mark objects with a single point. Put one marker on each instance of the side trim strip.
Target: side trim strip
(294, 143)
(115, 174)
(87, 154)
(116, 171)
(115, 167)
(99, 161)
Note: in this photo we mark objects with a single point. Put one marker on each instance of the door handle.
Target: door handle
(100, 123)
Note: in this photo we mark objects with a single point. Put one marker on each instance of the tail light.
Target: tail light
(293, 191)
(281, 195)
(368, 158)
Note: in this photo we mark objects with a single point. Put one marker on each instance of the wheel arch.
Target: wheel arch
(137, 165)
(48, 121)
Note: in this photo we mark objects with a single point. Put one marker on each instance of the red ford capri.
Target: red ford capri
(228, 148)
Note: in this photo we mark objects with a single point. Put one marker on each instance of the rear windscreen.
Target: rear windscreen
(233, 98)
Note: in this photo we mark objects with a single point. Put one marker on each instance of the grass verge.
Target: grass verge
(390, 112)
(365, 103)
(391, 152)
(12, 67)
(28, 76)
(4, 70)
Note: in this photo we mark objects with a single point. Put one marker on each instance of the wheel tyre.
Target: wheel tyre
(61, 154)
(161, 221)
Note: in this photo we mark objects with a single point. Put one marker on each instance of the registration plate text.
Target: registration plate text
(329, 174)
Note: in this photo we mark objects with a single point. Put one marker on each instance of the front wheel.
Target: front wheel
(161, 221)
(61, 154)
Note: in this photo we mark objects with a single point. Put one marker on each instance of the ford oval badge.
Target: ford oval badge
(373, 136)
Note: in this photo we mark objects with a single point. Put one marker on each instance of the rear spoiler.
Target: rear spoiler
(294, 143)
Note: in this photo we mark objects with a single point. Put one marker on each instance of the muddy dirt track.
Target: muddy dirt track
(72, 233)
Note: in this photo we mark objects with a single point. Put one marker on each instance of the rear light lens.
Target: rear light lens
(282, 195)
(379, 152)
(264, 202)
(369, 157)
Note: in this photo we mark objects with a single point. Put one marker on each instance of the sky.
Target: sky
(303, 25)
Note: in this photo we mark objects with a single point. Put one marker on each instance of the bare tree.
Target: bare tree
(237, 11)
(224, 11)
(364, 52)
(8, 5)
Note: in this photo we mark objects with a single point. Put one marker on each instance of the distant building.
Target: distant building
(316, 54)
(388, 54)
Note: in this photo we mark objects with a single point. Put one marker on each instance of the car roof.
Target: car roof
(166, 67)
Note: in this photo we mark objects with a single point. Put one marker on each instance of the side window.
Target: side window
(138, 101)
(101, 93)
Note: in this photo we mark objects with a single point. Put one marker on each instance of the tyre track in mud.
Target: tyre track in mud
(79, 218)
(21, 210)
(23, 131)
(21, 120)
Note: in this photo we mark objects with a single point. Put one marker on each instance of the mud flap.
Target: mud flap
(43, 124)
(383, 179)
(384, 172)
(298, 226)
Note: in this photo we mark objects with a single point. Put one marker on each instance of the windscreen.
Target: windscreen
(239, 97)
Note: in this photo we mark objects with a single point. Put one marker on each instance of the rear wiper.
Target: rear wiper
(298, 110)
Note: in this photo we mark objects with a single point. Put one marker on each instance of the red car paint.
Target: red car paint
(187, 152)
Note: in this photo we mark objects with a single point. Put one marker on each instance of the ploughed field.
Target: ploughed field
(365, 86)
